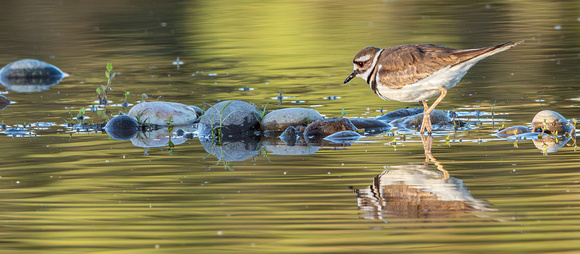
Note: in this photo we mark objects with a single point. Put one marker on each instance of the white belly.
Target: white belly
(427, 87)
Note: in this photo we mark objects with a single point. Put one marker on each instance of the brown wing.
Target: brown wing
(406, 64)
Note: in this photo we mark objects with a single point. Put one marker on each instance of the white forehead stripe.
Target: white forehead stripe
(363, 58)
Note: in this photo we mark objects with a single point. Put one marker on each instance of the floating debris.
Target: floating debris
(177, 63)
(331, 98)
(246, 89)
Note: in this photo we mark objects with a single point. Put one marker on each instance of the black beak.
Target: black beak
(351, 76)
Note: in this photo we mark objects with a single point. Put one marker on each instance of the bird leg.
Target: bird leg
(426, 125)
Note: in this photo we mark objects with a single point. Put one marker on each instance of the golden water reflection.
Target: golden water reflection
(416, 191)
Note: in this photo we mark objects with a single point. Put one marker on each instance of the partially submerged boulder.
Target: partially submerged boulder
(30, 75)
(550, 122)
(371, 126)
(439, 119)
(230, 118)
(122, 127)
(512, 131)
(279, 120)
(400, 113)
(162, 113)
(325, 127)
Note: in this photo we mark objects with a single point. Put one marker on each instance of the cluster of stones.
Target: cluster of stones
(549, 131)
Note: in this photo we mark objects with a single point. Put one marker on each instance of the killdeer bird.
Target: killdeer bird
(416, 72)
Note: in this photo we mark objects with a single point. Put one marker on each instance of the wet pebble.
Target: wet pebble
(279, 120)
(405, 112)
(161, 112)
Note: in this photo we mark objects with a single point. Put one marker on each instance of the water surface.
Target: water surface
(68, 192)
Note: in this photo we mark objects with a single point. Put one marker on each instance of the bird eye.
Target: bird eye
(360, 64)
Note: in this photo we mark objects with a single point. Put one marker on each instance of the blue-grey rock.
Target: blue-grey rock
(29, 75)
(279, 120)
(400, 113)
(122, 127)
(160, 113)
(231, 117)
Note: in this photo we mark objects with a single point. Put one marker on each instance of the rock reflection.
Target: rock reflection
(415, 191)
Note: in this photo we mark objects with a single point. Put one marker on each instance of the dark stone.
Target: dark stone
(159, 113)
(371, 126)
(232, 117)
(122, 127)
(405, 112)
(325, 127)
(29, 75)
(289, 136)
(511, 131)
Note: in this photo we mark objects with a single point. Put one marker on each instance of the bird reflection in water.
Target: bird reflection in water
(415, 191)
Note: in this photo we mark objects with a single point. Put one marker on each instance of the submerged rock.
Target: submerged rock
(371, 126)
(122, 127)
(29, 75)
(160, 112)
(231, 117)
(279, 120)
(511, 131)
(405, 112)
(439, 119)
(325, 127)
(551, 122)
